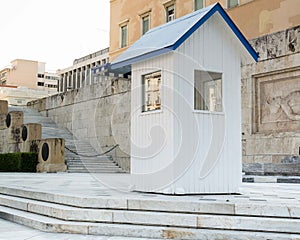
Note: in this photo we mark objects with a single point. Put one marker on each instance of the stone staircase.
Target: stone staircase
(80, 156)
(148, 217)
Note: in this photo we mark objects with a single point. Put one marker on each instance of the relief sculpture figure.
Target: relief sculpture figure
(290, 105)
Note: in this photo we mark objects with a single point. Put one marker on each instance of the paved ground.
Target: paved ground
(118, 185)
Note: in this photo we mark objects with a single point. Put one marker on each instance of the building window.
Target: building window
(40, 75)
(151, 85)
(170, 13)
(124, 36)
(40, 84)
(208, 91)
(198, 4)
(145, 24)
(232, 3)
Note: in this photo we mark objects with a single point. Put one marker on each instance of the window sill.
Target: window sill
(151, 112)
(208, 112)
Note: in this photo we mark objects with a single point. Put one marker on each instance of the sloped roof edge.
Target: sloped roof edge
(156, 52)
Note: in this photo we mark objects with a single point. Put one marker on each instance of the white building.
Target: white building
(21, 95)
(80, 73)
(187, 139)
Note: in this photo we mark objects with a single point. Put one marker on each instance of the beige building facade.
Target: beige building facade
(253, 17)
(29, 74)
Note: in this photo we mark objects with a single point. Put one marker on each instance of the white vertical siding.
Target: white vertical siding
(202, 151)
(217, 163)
(151, 161)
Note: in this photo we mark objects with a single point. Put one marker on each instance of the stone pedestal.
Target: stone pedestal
(31, 135)
(14, 121)
(51, 155)
(3, 113)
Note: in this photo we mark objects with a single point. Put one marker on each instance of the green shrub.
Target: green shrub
(18, 162)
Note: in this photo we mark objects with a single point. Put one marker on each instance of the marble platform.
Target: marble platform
(103, 205)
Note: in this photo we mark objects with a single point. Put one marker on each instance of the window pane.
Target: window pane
(123, 36)
(170, 13)
(151, 91)
(146, 23)
(232, 3)
(198, 4)
(207, 91)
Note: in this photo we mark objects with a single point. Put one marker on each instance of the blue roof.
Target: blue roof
(171, 35)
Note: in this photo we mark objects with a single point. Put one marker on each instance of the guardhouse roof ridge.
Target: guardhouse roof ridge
(168, 37)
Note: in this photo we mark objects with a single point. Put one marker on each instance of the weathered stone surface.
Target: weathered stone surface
(31, 134)
(271, 104)
(51, 155)
(98, 114)
(292, 40)
(283, 169)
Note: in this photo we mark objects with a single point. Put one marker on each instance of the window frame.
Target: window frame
(167, 6)
(145, 94)
(203, 5)
(122, 25)
(228, 5)
(203, 98)
(123, 44)
(147, 15)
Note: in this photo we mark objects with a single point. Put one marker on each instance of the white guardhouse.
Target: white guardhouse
(186, 104)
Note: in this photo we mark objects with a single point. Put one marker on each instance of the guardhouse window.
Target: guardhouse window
(145, 24)
(124, 36)
(151, 87)
(232, 3)
(170, 13)
(198, 4)
(208, 91)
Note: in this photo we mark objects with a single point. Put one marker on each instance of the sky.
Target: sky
(52, 31)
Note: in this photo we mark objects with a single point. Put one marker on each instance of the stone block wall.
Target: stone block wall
(98, 114)
(271, 105)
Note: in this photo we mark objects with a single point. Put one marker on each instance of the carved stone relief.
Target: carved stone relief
(292, 40)
(277, 102)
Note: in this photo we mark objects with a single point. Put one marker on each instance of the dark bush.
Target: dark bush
(18, 162)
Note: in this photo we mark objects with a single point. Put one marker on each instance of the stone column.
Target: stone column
(61, 83)
(74, 79)
(89, 74)
(78, 79)
(65, 82)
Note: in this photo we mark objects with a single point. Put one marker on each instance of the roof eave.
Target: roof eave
(140, 58)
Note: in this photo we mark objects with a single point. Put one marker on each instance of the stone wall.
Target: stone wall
(271, 105)
(98, 114)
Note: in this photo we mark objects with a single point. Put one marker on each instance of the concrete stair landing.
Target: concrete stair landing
(81, 163)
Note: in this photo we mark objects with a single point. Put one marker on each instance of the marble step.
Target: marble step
(95, 169)
(102, 171)
(47, 224)
(148, 203)
(88, 160)
(99, 158)
(197, 221)
(87, 163)
(95, 166)
(77, 159)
